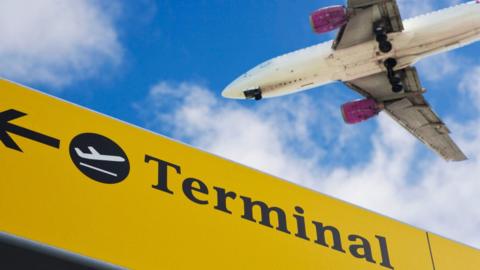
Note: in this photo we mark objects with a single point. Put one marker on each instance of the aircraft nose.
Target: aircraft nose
(228, 92)
(233, 90)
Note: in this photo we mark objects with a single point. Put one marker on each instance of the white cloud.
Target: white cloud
(427, 192)
(439, 66)
(470, 85)
(411, 8)
(56, 42)
(248, 136)
(280, 137)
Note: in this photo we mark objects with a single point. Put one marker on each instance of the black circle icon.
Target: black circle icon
(99, 158)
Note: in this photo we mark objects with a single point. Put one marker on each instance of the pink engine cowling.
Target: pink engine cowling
(358, 111)
(329, 18)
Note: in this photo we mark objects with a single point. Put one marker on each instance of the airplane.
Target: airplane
(373, 53)
(95, 155)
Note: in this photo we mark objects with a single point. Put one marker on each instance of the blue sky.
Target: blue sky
(162, 65)
(210, 42)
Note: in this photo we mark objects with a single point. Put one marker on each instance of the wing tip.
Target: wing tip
(461, 157)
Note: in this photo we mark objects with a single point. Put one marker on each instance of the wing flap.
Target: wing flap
(362, 15)
(388, 9)
(420, 120)
(357, 30)
(410, 110)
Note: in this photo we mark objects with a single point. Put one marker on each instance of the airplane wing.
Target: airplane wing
(411, 110)
(363, 14)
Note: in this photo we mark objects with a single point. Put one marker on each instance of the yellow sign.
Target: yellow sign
(77, 180)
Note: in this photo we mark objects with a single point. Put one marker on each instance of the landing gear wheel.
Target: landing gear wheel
(390, 63)
(397, 88)
(385, 46)
(380, 32)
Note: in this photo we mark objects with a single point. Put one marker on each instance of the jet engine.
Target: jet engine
(328, 19)
(360, 110)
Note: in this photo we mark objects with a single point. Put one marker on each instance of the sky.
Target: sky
(162, 65)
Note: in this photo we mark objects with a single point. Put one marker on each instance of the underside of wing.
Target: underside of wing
(411, 110)
(363, 15)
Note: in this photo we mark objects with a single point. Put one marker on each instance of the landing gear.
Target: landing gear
(253, 94)
(394, 79)
(390, 63)
(379, 28)
(380, 32)
(385, 46)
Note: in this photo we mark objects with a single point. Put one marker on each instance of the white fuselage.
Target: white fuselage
(425, 35)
